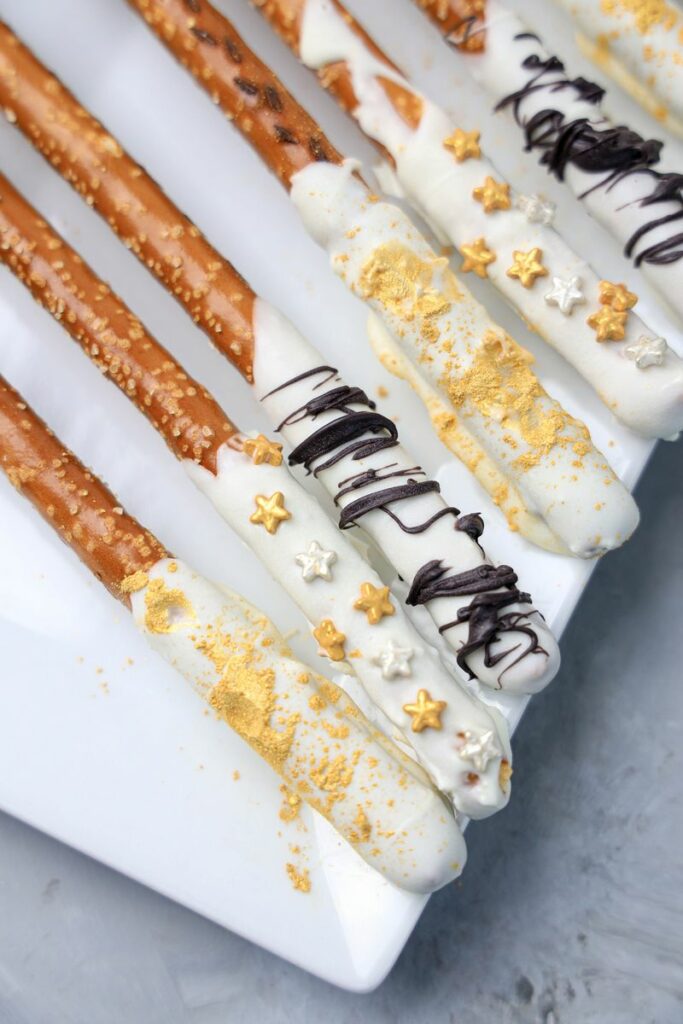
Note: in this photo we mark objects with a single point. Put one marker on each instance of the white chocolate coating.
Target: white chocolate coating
(581, 501)
(499, 69)
(642, 51)
(441, 189)
(232, 491)
(375, 797)
(280, 354)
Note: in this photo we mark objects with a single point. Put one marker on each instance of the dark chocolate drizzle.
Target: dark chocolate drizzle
(614, 153)
(360, 433)
(483, 613)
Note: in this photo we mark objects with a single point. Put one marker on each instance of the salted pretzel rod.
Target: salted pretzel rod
(427, 536)
(300, 723)
(354, 615)
(443, 172)
(536, 460)
(612, 169)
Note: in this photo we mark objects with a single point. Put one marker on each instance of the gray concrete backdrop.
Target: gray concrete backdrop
(570, 912)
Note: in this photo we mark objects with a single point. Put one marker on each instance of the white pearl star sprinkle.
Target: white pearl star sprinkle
(315, 562)
(479, 749)
(536, 209)
(565, 294)
(394, 660)
(647, 351)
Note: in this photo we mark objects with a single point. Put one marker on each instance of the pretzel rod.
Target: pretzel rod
(311, 734)
(611, 169)
(253, 491)
(538, 462)
(639, 43)
(283, 354)
(442, 171)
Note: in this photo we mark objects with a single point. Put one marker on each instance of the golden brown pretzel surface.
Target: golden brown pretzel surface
(90, 159)
(82, 510)
(461, 21)
(245, 89)
(185, 414)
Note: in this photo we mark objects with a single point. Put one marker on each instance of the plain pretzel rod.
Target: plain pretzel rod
(398, 507)
(355, 617)
(537, 462)
(616, 173)
(442, 170)
(379, 801)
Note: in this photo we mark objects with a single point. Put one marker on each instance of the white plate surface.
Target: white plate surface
(101, 744)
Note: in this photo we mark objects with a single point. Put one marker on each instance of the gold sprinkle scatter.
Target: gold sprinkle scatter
(527, 266)
(374, 601)
(270, 512)
(291, 804)
(330, 639)
(261, 449)
(299, 879)
(504, 774)
(493, 195)
(425, 712)
(463, 145)
(609, 324)
(165, 607)
(363, 829)
(476, 257)
(136, 581)
(617, 296)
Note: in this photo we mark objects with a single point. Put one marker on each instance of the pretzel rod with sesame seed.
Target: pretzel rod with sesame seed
(300, 723)
(354, 616)
(282, 354)
(443, 172)
(537, 461)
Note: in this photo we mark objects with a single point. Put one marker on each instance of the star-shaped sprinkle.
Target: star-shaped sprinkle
(609, 324)
(394, 660)
(425, 712)
(565, 294)
(527, 266)
(270, 512)
(536, 209)
(315, 562)
(617, 296)
(493, 195)
(463, 144)
(374, 601)
(479, 749)
(330, 639)
(477, 257)
(504, 774)
(261, 449)
(647, 351)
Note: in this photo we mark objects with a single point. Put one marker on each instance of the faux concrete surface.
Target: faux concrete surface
(571, 909)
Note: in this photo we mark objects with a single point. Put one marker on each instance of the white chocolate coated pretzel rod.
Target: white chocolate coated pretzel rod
(352, 613)
(307, 730)
(541, 465)
(212, 291)
(443, 172)
(612, 169)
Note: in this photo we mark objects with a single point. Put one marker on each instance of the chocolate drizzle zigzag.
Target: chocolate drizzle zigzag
(614, 153)
(357, 434)
(493, 588)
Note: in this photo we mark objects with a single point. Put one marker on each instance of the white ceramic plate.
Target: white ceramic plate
(101, 744)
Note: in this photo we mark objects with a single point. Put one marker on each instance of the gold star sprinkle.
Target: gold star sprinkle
(261, 449)
(504, 774)
(374, 601)
(270, 512)
(463, 144)
(617, 296)
(527, 266)
(330, 639)
(426, 713)
(476, 257)
(608, 324)
(493, 195)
